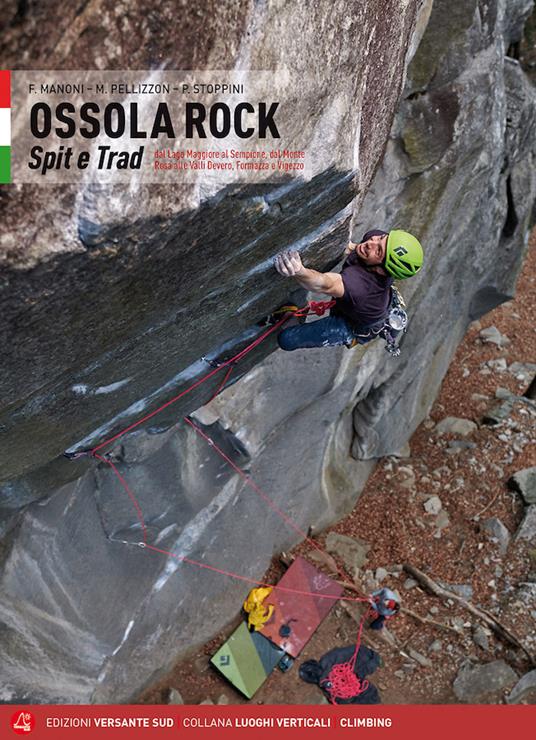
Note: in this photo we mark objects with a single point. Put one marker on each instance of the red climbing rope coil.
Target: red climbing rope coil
(316, 307)
(342, 682)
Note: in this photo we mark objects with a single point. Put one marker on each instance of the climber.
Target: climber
(363, 292)
(385, 603)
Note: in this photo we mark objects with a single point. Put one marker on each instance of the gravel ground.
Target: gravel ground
(470, 480)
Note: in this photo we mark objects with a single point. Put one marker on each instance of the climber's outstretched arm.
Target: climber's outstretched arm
(289, 264)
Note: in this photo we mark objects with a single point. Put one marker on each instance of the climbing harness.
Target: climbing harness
(319, 308)
(388, 328)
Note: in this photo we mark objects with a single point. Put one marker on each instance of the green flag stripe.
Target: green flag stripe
(5, 165)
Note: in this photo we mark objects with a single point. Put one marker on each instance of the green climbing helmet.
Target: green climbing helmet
(403, 256)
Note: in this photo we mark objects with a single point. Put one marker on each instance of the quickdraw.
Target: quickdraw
(78, 454)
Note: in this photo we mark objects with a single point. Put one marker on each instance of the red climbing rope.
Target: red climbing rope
(251, 483)
(238, 577)
(198, 564)
(129, 492)
(342, 682)
(317, 307)
(227, 363)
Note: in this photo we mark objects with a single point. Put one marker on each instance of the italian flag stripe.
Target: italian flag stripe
(5, 126)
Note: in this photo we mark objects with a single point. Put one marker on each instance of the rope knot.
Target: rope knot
(320, 307)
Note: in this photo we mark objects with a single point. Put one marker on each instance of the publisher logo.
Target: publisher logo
(22, 722)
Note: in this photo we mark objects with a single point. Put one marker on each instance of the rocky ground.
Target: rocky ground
(448, 506)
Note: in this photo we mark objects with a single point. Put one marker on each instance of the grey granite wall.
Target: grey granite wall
(108, 318)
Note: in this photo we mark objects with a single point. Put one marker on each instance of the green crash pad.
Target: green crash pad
(247, 659)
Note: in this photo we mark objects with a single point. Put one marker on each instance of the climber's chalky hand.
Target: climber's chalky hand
(288, 264)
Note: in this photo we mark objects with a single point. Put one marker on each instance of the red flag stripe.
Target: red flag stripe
(5, 88)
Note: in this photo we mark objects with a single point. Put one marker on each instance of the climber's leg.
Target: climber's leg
(377, 624)
(327, 332)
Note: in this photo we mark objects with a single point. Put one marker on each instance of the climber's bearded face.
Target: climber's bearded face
(372, 252)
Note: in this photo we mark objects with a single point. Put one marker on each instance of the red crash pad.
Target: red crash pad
(297, 614)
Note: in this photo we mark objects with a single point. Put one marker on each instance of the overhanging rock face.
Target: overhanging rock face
(124, 288)
(110, 298)
(154, 284)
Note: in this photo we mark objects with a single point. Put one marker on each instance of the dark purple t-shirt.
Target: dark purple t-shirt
(366, 293)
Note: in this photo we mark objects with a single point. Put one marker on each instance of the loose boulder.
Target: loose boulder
(453, 425)
(525, 684)
(351, 550)
(527, 528)
(524, 481)
(475, 682)
(496, 529)
(433, 505)
(492, 335)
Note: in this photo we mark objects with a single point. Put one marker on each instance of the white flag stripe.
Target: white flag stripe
(5, 126)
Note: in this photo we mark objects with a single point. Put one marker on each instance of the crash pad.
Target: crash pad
(297, 615)
(246, 659)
